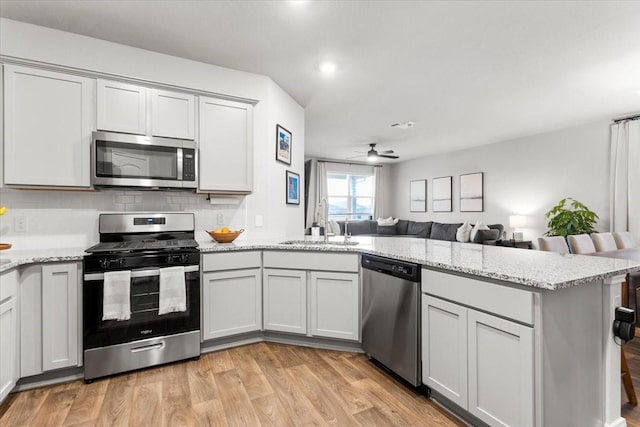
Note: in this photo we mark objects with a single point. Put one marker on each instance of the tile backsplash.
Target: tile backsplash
(70, 218)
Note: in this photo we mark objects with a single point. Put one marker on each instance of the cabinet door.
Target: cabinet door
(444, 348)
(172, 114)
(122, 107)
(285, 300)
(8, 346)
(500, 371)
(59, 316)
(232, 302)
(334, 303)
(48, 120)
(226, 146)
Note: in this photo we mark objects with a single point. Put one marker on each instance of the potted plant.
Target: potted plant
(570, 217)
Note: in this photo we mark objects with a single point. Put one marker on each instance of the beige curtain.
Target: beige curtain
(625, 177)
(378, 201)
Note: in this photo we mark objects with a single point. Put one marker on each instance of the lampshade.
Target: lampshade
(517, 221)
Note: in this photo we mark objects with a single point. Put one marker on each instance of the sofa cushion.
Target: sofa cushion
(365, 226)
(419, 229)
(387, 230)
(401, 226)
(484, 235)
(447, 232)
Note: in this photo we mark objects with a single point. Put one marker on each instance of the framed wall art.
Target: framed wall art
(441, 194)
(283, 145)
(418, 196)
(471, 192)
(293, 188)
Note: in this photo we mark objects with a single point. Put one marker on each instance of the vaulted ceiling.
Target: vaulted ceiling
(466, 73)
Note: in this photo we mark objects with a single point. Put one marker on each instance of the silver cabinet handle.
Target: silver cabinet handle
(148, 347)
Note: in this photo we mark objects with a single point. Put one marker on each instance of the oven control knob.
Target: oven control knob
(104, 263)
(121, 262)
(184, 258)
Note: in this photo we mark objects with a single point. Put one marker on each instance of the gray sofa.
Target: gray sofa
(427, 230)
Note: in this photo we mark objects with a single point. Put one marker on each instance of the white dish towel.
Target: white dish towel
(116, 301)
(173, 292)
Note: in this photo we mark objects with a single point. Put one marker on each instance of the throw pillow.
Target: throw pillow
(388, 221)
(334, 227)
(479, 226)
(447, 232)
(463, 233)
(484, 235)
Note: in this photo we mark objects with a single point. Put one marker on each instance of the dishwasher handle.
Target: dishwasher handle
(403, 270)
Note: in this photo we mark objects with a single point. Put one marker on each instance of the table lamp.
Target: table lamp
(515, 222)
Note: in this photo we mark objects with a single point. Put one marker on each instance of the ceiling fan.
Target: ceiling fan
(373, 154)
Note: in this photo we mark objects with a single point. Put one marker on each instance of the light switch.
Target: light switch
(259, 221)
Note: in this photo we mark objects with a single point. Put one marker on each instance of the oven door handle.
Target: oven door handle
(139, 273)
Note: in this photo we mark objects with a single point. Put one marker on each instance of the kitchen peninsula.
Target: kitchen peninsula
(563, 303)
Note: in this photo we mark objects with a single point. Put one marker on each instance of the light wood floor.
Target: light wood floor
(261, 384)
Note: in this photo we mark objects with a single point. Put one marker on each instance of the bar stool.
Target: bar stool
(553, 244)
(604, 242)
(581, 244)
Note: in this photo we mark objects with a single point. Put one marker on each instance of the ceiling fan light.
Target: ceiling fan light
(372, 156)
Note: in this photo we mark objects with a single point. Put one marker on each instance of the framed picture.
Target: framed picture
(418, 196)
(471, 193)
(441, 195)
(283, 145)
(293, 188)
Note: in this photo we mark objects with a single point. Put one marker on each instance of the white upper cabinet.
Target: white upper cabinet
(48, 120)
(226, 146)
(128, 108)
(173, 114)
(122, 107)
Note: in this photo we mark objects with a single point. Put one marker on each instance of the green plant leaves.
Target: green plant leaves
(568, 220)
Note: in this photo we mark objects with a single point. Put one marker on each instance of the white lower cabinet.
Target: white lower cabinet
(9, 337)
(231, 294)
(319, 298)
(285, 300)
(478, 347)
(50, 317)
(334, 302)
(501, 380)
(444, 348)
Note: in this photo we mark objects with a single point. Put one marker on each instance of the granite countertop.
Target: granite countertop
(545, 270)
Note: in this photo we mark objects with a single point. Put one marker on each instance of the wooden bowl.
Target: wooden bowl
(4, 246)
(228, 237)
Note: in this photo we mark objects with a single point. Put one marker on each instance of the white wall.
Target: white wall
(525, 176)
(72, 216)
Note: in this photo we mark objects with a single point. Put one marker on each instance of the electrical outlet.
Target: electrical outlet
(220, 219)
(20, 224)
(259, 221)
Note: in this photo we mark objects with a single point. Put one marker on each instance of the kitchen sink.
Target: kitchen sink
(318, 243)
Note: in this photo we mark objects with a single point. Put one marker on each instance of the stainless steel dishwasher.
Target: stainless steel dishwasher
(391, 315)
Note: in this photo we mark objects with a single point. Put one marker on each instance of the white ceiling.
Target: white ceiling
(468, 73)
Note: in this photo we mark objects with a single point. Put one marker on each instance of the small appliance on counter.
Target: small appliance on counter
(141, 293)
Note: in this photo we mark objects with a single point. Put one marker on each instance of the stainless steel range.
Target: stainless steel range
(141, 293)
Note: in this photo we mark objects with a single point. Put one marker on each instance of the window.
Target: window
(350, 196)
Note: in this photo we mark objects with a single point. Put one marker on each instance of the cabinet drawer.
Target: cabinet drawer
(230, 261)
(505, 301)
(311, 261)
(8, 285)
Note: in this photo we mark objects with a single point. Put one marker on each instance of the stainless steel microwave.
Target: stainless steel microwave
(143, 162)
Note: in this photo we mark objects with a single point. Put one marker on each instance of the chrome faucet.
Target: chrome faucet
(325, 217)
(347, 236)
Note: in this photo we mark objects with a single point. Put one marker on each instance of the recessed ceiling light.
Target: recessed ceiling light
(328, 67)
